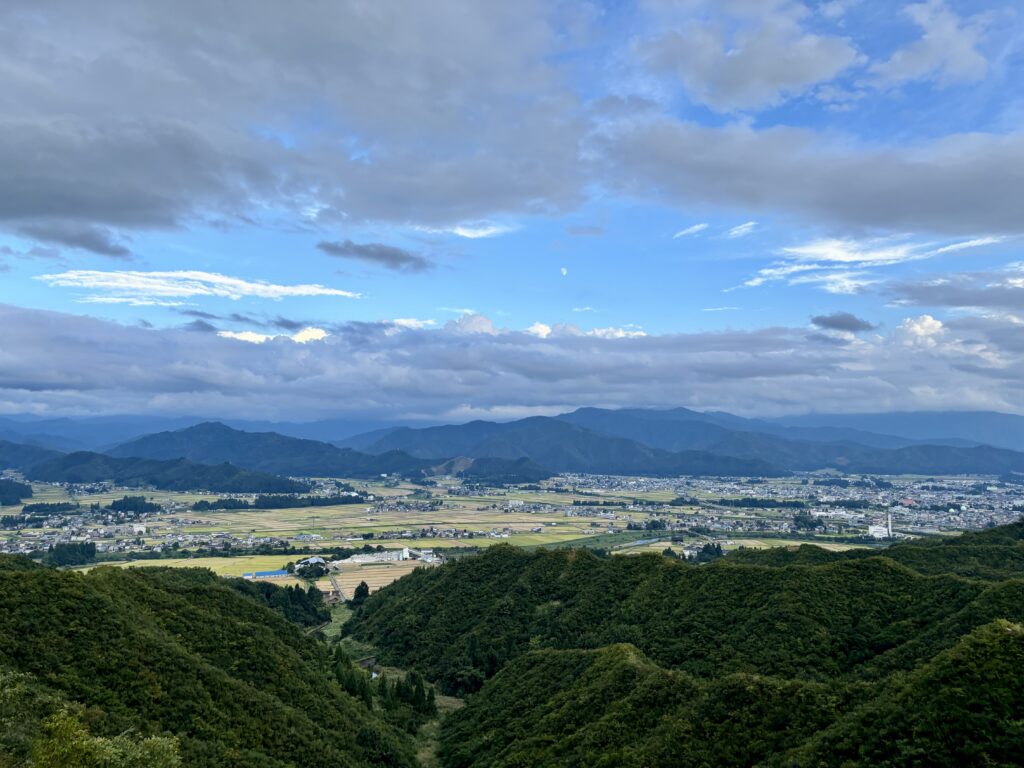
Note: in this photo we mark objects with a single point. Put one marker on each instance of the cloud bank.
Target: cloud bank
(59, 363)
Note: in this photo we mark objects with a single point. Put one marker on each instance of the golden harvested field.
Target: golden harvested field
(375, 575)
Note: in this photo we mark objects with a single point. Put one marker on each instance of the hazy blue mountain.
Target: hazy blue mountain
(213, 443)
(97, 433)
(551, 444)
(1004, 430)
(682, 428)
(562, 447)
(635, 441)
(173, 475)
(21, 457)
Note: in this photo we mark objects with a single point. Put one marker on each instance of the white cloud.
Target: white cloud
(471, 324)
(852, 252)
(816, 262)
(947, 50)
(458, 310)
(719, 309)
(692, 230)
(129, 300)
(778, 272)
(975, 243)
(564, 271)
(835, 282)
(309, 334)
(304, 336)
(250, 336)
(412, 323)
(583, 309)
(923, 331)
(479, 230)
(131, 286)
(540, 330)
(628, 332)
(741, 230)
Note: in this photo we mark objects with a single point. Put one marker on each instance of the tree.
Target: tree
(359, 596)
(65, 743)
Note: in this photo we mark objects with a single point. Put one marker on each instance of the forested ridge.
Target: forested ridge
(205, 666)
(908, 656)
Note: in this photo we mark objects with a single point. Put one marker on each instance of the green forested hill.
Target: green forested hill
(783, 657)
(180, 653)
(613, 707)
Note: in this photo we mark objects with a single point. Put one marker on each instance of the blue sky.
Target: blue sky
(658, 177)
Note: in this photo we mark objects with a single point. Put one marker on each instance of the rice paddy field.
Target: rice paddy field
(375, 575)
(397, 517)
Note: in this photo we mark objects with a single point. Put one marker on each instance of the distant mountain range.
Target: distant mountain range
(98, 433)
(589, 440)
(681, 441)
(173, 475)
(1003, 430)
(214, 443)
(668, 442)
(550, 444)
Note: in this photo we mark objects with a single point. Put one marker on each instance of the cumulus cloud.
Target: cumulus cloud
(304, 336)
(735, 56)
(140, 288)
(923, 331)
(124, 117)
(55, 362)
(540, 330)
(842, 321)
(388, 256)
(947, 50)
(961, 184)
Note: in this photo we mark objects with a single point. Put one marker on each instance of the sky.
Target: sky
(458, 209)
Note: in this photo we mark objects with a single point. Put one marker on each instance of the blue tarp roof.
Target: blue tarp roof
(264, 574)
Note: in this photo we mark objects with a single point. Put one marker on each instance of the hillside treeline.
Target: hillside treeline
(152, 666)
(910, 656)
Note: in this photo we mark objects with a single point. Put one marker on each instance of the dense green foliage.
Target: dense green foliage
(71, 553)
(783, 657)
(39, 728)
(278, 501)
(302, 606)
(12, 492)
(50, 508)
(491, 471)
(137, 504)
(613, 707)
(173, 475)
(182, 653)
